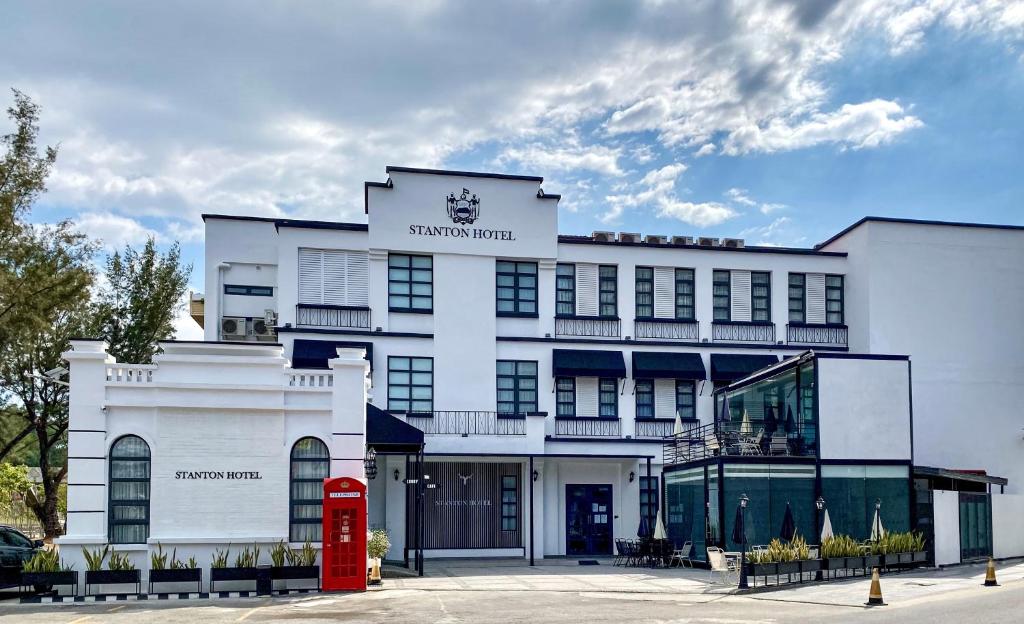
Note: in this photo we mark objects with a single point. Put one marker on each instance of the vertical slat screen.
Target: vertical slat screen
(664, 292)
(815, 297)
(586, 397)
(740, 301)
(334, 277)
(310, 276)
(464, 510)
(586, 289)
(357, 277)
(664, 398)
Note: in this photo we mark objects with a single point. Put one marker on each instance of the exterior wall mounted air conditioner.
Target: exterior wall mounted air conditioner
(656, 239)
(704, 241)
(232, 328)
(603, 237)
(264, 327)
(682, 240)
(734, 243)
(629, 237)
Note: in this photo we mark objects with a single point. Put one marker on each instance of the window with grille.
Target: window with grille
(516, 288)
(644, 391)
(644, 292)
(685, 305)
(509, 503)
(517, 387)
(686, 398)
(649, 500)
(607, 288)
(834, 299)
(797, 298)
(333, 277)
(129, 491)
(310, 465)
(608, 398)
(760, 296)
(410, 384)
(722, 293)
(565, 396)
(565, 290)
(410, 283)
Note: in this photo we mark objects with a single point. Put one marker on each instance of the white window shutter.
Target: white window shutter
(664, 292)
(310, 276)
(815, 297)
(358, 278)
(334, 277)
(586, 397)
(740, 299)
(586, 289)
(664, 398)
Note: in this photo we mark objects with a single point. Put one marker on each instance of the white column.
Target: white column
(348, 413)
(546, 296)
(378, 287)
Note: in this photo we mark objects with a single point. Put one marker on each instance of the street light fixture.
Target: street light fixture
(743, 541)
(820, 504)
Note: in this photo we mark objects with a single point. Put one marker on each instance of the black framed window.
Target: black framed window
(760, 296)
(797, 298)
(685, 303)
(252, 291)
(644, 292)
(565, 290)
(834, 313)
(410, 384)
(686, 399)
(517, 387)
(608, 290)
(649, 500)
(516, 288)
(509, 503)
(722, 294)
(565, 396)
(410, 283)
(644, 392)
(608, 398)
(310, 465)
(130, 465)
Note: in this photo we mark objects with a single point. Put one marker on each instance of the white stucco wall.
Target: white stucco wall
(947, 527)
(1007, 533)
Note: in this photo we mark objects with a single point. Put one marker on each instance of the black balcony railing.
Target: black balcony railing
(831, 335)
(653, 427)
(313, 315)
(588, 427)
(738, 331)
(669, 329)
(738, 439)
(588, 326)
(467, 423)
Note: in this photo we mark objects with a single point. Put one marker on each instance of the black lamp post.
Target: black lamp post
(878, 519)
(820, 505)
(370, 463)
(743, 542)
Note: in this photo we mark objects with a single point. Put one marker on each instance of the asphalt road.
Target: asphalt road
(974, 605)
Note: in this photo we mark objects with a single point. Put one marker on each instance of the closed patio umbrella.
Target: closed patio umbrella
(877, 530)
(745, 428)
(644, 530)
(788, 531)
(726, 415)
(739, 533)
(678, 428)
(770, 422)
(826, 527)
(790, 421)
(659, 529)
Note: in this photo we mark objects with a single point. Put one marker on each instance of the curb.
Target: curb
(166, 596)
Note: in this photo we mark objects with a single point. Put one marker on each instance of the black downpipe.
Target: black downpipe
(530, 477)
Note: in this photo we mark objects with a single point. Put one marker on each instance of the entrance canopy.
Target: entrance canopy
(660, 365)
(728, 367)
(315, 353)
(389, 434)
(583, 363)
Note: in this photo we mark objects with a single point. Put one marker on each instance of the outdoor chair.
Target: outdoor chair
(620, 552)
(780, 445)
(681, 556)
(721, 564)
(712, 445)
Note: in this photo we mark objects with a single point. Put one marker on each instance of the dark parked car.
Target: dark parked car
(14, 548)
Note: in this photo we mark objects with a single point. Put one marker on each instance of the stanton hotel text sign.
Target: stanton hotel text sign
(229, 475)
(462, 210)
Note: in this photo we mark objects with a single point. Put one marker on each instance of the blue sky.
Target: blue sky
(779, 122)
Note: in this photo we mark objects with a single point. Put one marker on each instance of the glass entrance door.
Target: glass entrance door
(975, 526)
(588, 519)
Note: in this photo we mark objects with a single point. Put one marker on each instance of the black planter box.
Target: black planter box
(919, 556)
(231, 574)
(290, 573)
(49, 579)
(113, 577)
(810, 565)
(873, 561)
(855, 562)
(762, 569)
(176, 575)
(789, 567)
(833, 563)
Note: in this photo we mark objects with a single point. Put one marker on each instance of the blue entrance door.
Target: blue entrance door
(588, 519)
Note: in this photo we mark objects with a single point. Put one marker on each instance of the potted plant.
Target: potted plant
(918, 554)
(243, 570)
(760, 563)
(377, 547)
(120, 569)
(836, 550)
(45, 569)
(175, 571)
(288, 564)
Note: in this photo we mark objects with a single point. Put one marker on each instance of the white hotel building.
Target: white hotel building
(545, 371)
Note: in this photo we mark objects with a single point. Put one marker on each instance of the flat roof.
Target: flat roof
(293, 223)
(465, 174)
(976, 476)
(863, 220)
(580, 239)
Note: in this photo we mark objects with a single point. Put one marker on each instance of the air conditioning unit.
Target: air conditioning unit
(264, 327)
(232, 328)
(655, 239)
(734, 243)
(704, 241)
(629, 237)
(682, 240)
(603, 237)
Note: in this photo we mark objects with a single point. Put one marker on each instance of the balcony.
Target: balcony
(588, 427)
(589, 326)
(668, 329)
(732, 439)
(653, 427)
(742, 331)
(316, 315)
(816, 335)
(468, 423)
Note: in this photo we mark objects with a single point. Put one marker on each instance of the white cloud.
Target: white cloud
(704, 214)
(113, 230)
(778, 233)
(657, 190)
(740, 196)
(596, 158)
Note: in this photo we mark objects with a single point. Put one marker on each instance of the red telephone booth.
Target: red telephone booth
(344, 553)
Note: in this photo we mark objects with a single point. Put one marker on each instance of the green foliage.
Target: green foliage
(306, 556)
(782, 552)
(119, 561)
(278, 554)
(910, 541)
(158, 559)
(45, 560)
(840, 546)
(220, 557)
(191, 564)
(94, 558)
(14, 484)
(248, 558)
(379, 543)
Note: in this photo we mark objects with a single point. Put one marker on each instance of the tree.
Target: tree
(135, 309)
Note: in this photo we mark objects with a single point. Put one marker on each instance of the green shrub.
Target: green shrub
(94, 558)
(379, 543)
(119, 561)
(45, 561)
(278, 554)
(220, 557)
(191, 564)
(248, 558)
(304, 557)
(782, 552)
(840, 546)
(158, 559)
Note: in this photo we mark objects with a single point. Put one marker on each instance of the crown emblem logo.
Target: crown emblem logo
(464, 209)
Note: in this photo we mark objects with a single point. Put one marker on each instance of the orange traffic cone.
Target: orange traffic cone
(875, 595)
(990, 574)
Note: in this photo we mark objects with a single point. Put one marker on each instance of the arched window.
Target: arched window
(129, 491)
(311, 464)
